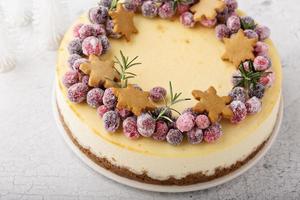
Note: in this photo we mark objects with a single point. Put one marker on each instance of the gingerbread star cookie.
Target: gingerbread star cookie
(133, 99)
(100, 72)
(213, 104)
(207, 9)
(123, 22)
(239, 48)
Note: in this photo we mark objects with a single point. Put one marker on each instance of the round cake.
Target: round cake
(168, 97)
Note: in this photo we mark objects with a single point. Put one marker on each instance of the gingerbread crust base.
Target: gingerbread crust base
(144, 178)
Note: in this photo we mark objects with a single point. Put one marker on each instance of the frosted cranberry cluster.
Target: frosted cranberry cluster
(93, 39)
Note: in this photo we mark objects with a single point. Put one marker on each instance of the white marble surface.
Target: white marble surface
(35, 163)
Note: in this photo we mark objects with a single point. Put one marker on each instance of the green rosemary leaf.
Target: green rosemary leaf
(167, 118)
(130, 73)
(113, 4)
(175, 110)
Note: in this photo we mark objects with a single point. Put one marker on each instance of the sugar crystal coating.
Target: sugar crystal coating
(233, 23)
(261, 49)
(261, 63)
(149, 9)
(174, 137)
(268, 80)
(76, 30)
(238, 94)
(99, 29)
(232, 5)
(263, 32)
(222, 31)
(105, 3)
(187, 19)
(251, 34)
(202, 121)
(124, 113)
(78, 62)
(92, 46)
(161, 130)
(212, 133)
(130, 128)
(185, 122)
(94, 97)
(157, 94)
(72, 58)
(70, 78)
(257, 90)
(98, 15)
(109, 99)
(253, 105)
(111, 121)
(85, 79)
(239, 111)
(77, 93)
(101, 110)
(85, 31)
(146, 125)
(166, 10)
(74, 47)
(195, 136)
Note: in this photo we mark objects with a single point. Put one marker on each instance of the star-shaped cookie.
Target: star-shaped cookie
(207, 9)
(213, 104)
(133, 99)
(123, 22)
(100, 72)
(239, 48)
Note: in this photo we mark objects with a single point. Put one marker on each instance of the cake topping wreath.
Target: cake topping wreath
(104, 84)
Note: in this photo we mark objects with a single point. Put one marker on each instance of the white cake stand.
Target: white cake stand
(162, 188)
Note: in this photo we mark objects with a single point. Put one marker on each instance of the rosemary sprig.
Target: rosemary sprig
(125, 64)
(113, 4)
(177, 2)
(249, 77)
(174, 99)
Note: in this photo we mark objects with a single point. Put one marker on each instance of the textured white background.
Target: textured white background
(35, 163)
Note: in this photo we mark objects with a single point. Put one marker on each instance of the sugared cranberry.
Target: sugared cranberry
(222, 31)
(187, 19)
(85, 79)
(166, 10)
(257, 90)
(251, 34)
(195, 136)
(238, 94)
(85, 31)
(99, 30)
(263, 32)
(105, 3)
(268, 80)
(149, 9)
(239, 111)
(72, 58)
(105, 43)
(174, 137)
(202, 121)
(70, 78)
(185, 122)
(98, 15)
(76, 30)
(74, 47)
(261, 63)
(182, 8)
(111, 121)
(124, 113)
(109, 99)
(146, 125)
(253, 105)
(77, 92)
(261, 49)
(213, 133)
(157, 94)
(94, 97)
(232, 5)
(78, 62)
(130, 128)
(91, 46)
(233, 23)
(101, 110)
(161, 130)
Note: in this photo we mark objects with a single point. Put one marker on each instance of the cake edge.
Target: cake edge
(190, 179)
